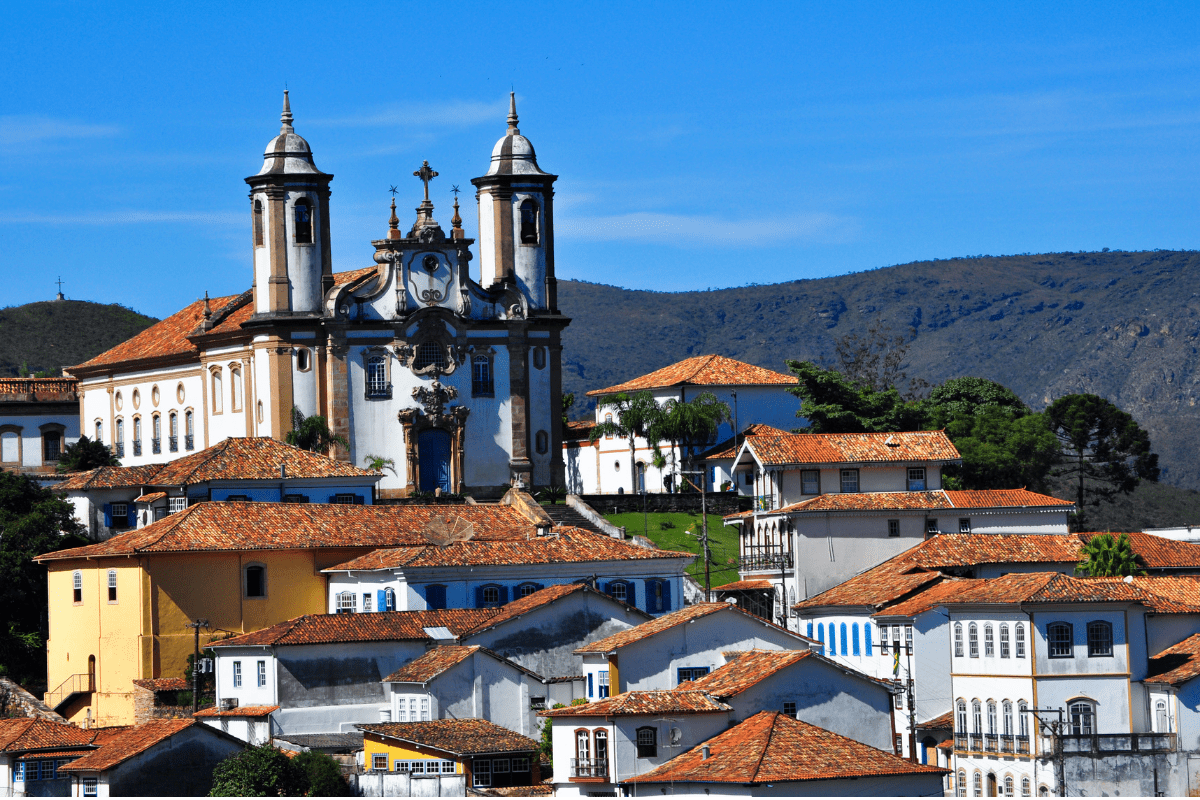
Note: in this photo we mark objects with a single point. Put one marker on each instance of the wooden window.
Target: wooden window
(849, 480)
(346, 603)
(647, 742)
(916, 479)
(973, 639)
(1100, 639)
(483, 383)
(77, 586)
(112, 586)
(1060, 640)
(1020, 636)
(989, 641)
(1004, 644)
(893, 527)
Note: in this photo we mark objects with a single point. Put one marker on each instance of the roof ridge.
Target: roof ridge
(766, 744)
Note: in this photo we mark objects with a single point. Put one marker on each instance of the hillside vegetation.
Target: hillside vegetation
(51, 335)
(1122, 325)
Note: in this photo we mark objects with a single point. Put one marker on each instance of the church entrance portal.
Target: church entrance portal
(434, 448)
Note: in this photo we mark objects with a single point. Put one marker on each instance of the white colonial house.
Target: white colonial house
(455, 378)
(754, 395)
(839, 504)
(39, 418)
(677, 648)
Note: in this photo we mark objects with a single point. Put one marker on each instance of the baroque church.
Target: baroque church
(456, 380)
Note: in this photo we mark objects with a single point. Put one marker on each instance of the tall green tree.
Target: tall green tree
(1106, 557)
(86, 454)
(261, 771)
(313, 433)
(33, 521)
(1104, 450)
(964, 397)
(689, 424)
(633, 415)
(834, 403)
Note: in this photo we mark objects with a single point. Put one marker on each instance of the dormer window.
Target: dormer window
(529, 222)
(304, 227)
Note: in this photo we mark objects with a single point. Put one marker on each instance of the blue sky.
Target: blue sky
(699, 145)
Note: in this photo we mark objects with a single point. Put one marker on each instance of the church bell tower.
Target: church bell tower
(516, 220)
(289, 206)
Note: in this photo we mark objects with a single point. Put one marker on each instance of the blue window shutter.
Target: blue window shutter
(867, 637)
(538, 587)
(381, 600)
(358, 500)
(479, 597)
(591, 690)
(666, 595)
(132, 514)
(854, 639)
(821, 632)
(845, 649)
(503, 595)
(108, 515)
(810, 631)
(606, 588)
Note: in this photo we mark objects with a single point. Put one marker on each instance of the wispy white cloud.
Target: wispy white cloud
(703, 229)
(132, 217)
(30, 130)
(453, 114)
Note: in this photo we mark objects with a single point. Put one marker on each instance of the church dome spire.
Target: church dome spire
(513, 154)
(288, 153)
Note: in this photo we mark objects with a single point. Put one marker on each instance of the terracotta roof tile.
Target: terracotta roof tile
(729, 449)
(25, 733)
(1176, 665)
(459, 737)
(216, 526)
(923, 501)
(249, 458)
(57, 754)
(1054, 587)
(746, 670)
(431, 664)
(164, 684)
(240, 711)
(668, 621)
(875, 588)
(703, 371)
(162, 339)
(546, 597)
(742, 586)
(379, 626)
(580, 430)
(972, 549)
(854, 448)
(928, 598)
(1158, 552)
(944, 722)
(675, 701)
(770, 747)
(128, 743)
(566, 545)
(150, 497)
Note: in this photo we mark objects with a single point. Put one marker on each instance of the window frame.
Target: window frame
(849, 477)
(1104, 627)
(893, 528)
(931, 526)
(808, 478)
(77, 587)
(959, 642)
(262, 672)
(340, 606)
(112, 587)
(989, 640)
(483, 373)
(377, 374)
(1005, 649)
(1019, 639)
(237, 674)
(964, 524)
(912, 480)
(1087, 720)
(1055, 640)
(973, 640)
(217, 393)
(258, 565)
(646, 741)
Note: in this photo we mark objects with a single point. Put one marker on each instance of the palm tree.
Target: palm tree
(1106, 557)
(636, 415)
(692, 423)
(313, 433)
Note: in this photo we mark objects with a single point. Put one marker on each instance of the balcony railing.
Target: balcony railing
(755, 559)
(1007, 745)
(764, 502)
(189, 442)
(38, 385)
(990, 743)
(156, 446)
(379, 391)
(1023, 744)
(960, 741)
(119, 449)
(173, 444)
(78, 683)
(976, 743)
(137, 447)
(1100, 743)
(589, 767)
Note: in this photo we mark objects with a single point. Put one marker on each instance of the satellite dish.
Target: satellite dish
(676, 736)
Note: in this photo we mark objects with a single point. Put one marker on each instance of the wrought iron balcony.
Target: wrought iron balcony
(589, 767)
(119, 449)
(1007, 745)
(173, 444)
(976, 743)
(156, 446)
(137, 447)
(991, 743)
(960, 741)
(379, 391)
(762, 558)
(1023, 744)
(189, 442)
(1101, 743)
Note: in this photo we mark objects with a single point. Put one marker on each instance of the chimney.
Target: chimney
(704, 754)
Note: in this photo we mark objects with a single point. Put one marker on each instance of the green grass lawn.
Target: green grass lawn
(722, 541)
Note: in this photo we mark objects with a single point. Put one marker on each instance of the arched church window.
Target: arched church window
(258, 223)
(377, 378)
(529, 222)
(539, 358)
(173, 428)
(235, 388)
(482, 381)
(303, 359)
(99, 431)
(304, 226)
(430, 354)
(542, 442)
(189, 425)
(217, 390)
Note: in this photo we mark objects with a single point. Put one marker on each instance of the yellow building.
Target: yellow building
(489, 755)
(119, 610)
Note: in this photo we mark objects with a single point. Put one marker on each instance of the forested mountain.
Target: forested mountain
(49, 336)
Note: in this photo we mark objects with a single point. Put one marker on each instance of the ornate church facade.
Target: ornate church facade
(457, 381)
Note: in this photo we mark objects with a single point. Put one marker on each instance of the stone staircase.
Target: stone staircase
(563, 514)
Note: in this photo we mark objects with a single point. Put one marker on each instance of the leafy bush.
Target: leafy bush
(260, 771)
(324, 775)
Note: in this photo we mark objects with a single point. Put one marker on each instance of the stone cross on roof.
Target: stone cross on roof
(426, 175)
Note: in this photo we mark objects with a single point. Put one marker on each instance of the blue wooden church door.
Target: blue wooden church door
(433, 449)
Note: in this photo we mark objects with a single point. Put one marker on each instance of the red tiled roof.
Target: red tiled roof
(945, 722)
(941, 499)
(162, 339)
(875, 588)
(26, 733)
(742, 586)
(675, 701)
(255, 458)
(1176, 665)
(668, 621)
(928, 598)
(1158, 552)
(854, 448)
(57, 754)
(150, 498)
(239, 711)
(216, 526)
(703, 371)
(546, 597)
(164, 684)
(1182, 589)
(1054, 587)
(972, 549)
(729, 449)
(128, 743)
(578, 430)
(746, 670)
(459, 737)
(431, 664)
(379, 626)
(770, 747)
(566, 545)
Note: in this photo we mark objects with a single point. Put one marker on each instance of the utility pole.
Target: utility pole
(703, 528)
(912, 700)
(196, 626)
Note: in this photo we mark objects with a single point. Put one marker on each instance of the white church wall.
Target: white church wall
(262, 387)
(304, 260)
(488, 445)
(530, 260)
(540, 418)
(487, 241)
